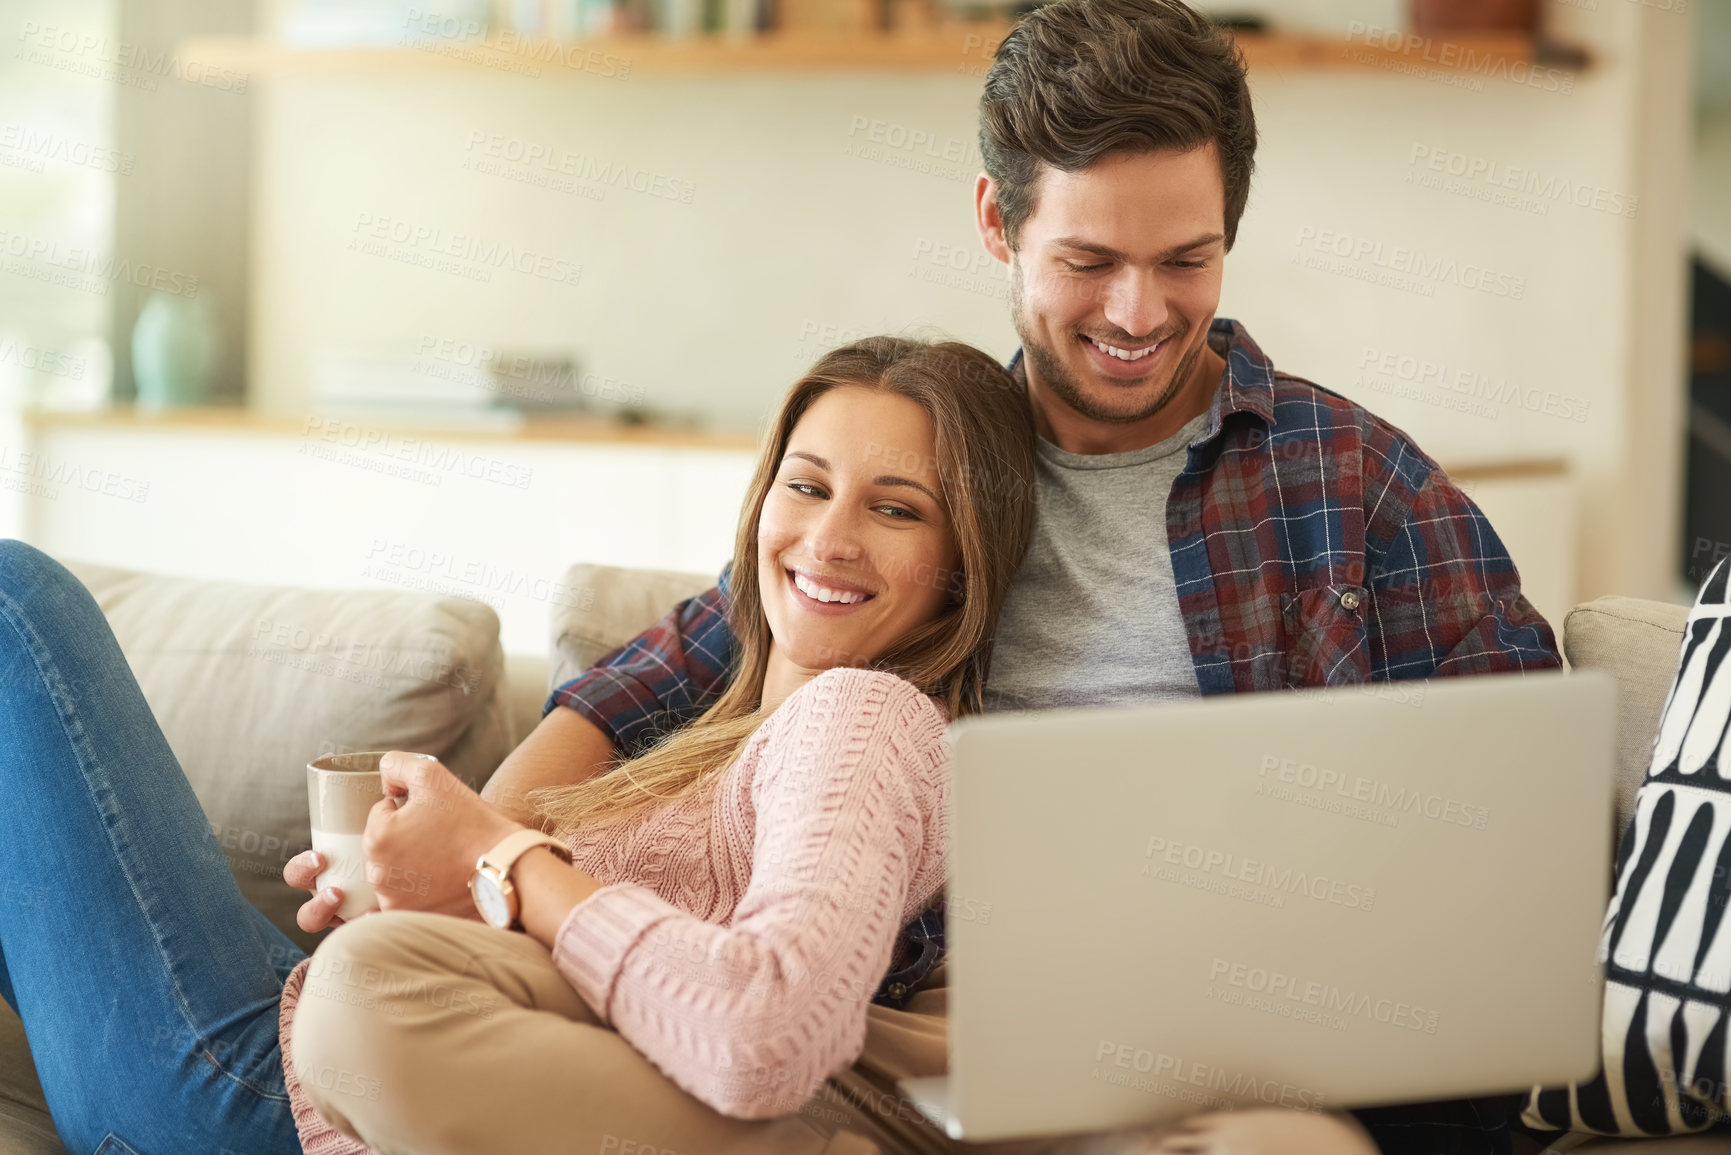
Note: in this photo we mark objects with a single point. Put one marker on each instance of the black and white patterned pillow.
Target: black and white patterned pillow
(1666, 948)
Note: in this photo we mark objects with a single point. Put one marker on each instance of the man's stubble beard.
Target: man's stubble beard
(1063, 385)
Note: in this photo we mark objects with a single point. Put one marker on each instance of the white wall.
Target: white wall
(1711, 216)
(713, 305)
(1711, 210)
(499, 522)
(792, 243)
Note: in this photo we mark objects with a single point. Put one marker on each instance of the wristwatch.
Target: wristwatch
(495, 895)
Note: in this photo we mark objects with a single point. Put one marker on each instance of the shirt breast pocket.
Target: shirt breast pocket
(1327, 642)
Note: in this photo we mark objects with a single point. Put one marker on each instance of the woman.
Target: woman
(690, 982)
(736, 891)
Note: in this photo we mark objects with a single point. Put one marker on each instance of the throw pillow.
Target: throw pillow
(1666, 947)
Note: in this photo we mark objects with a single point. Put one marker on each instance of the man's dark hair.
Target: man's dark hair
(1080, 79)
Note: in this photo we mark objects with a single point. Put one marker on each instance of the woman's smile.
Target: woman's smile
(824, 594)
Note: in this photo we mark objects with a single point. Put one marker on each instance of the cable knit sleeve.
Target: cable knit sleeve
(317, 1136)
(850, 831)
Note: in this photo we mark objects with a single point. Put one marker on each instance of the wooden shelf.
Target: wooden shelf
(953, 48)
(946, 49)
(244, 422)
(231, 421)
(1508, 469)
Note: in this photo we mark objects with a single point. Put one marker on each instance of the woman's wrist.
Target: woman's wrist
(548, 888)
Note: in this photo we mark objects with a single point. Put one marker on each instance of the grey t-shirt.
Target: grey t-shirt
(1092, 618)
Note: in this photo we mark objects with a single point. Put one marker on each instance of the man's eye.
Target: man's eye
(1191, 264)
(1075, 268)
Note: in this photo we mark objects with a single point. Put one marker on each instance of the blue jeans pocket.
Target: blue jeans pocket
(115, 1145)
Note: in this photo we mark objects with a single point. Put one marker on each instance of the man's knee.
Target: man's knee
(14, 552)
(49, 594)
(41, 601)
(23, 567)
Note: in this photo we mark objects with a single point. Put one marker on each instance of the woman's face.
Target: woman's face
(853, 546)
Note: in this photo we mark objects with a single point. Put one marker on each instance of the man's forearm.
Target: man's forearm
(565, 748)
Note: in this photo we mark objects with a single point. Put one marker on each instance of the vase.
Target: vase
(174, 347)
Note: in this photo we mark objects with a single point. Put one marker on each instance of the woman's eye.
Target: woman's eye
(899, 512)
(806, 488)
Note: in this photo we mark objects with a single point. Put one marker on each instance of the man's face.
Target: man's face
(1115, 279)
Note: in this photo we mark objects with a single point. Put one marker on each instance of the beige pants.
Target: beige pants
(476, 1043)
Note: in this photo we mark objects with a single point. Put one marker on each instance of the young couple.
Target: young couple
(732, 940)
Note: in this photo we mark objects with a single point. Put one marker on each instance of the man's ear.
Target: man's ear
(988, 220)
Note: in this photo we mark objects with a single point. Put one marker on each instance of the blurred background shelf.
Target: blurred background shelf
(1471, 236)
(953, 48)
(489, 425)
(509, 426)
(121, 486)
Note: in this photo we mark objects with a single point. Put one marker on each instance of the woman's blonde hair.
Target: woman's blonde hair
(983, 434)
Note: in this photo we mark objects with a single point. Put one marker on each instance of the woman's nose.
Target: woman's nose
(835, 535)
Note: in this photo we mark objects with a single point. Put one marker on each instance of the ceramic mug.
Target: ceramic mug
(341, 790)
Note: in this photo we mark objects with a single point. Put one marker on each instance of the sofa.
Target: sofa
(249, 682)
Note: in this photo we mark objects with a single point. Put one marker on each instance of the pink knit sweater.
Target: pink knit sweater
(741, 933)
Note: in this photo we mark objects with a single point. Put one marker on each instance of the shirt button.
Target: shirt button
(1349, 599)
(898, 991)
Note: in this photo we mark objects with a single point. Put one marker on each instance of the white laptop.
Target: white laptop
(1317, 899)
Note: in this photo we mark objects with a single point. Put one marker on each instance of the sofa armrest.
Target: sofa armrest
(1639, 643)
(250, 682)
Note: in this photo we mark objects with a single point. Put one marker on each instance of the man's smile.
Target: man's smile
(1123, 363)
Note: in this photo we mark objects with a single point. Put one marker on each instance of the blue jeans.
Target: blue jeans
(147, 985)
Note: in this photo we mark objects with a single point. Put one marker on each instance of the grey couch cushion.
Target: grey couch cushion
(1639, 643)
(610, 607)
(25, 1125)
(251, 682)
(248, 683)
(525, 689)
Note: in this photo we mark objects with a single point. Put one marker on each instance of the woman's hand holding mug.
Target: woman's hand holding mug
(407, 830)
(341, 791)
(423, 837)
(320, 911)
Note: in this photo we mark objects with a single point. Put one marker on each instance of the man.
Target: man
(1208, 525)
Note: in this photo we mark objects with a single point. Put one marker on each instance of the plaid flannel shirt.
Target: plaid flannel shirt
(1313, 544)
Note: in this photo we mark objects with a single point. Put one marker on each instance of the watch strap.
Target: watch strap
(499, 861)
(505, 853)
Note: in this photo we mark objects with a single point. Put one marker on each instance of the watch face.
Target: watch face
(490, 900)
